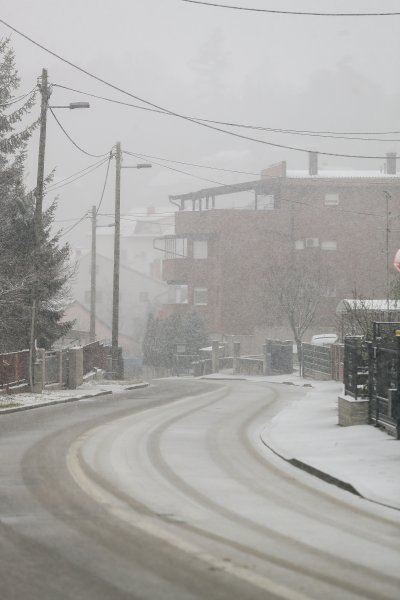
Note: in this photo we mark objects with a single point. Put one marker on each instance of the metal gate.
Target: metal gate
(384, 377)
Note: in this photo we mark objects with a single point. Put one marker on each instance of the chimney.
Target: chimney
(276, 170)
(391, 158)
(313, 163)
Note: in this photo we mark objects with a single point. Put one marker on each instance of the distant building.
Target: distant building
(139, 294)
(137, 235)
(226, 237)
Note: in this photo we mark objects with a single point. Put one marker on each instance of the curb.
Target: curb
(6, 411)
(324, 476)
(14, 409)
(137, 386)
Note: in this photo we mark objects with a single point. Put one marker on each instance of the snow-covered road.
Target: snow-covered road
(196, 475)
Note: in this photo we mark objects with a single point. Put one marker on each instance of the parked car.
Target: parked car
(324, 339)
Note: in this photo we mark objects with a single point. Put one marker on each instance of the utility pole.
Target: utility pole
(387, 228)
(117, 234)
(93, 279)
(37, 218)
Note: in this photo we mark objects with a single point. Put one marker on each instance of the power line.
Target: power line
(292, 12)
(75, 224)
(75, 176)
(72, 141)
(346, 135)
(176, 170)
(105, 183)
(16, 99)
(172, 113)
(179, 162)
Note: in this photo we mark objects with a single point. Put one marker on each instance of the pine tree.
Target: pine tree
(18, 257)
(163, 335)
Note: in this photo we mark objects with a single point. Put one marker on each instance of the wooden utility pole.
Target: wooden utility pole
(37, 218)
(117, 232)
(93, 279)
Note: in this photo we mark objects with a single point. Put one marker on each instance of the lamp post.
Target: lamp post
(117, 243)
(45, 92)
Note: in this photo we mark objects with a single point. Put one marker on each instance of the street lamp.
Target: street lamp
(45, 92)
(117, 235)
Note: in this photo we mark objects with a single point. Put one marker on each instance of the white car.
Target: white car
(324, 339)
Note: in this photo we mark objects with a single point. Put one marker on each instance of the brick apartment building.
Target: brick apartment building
(226, 238)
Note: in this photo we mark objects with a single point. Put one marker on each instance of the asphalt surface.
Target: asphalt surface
(168, 493)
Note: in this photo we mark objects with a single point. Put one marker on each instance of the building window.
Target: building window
(200, 296)
(200, 249)
(143, 296)
(299, 244)
(328, 245)
(330, 293)
(177, 294)
(331, 199)
(265, 202)
(312, 242)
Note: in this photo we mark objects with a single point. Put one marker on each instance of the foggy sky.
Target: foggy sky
(275, 71)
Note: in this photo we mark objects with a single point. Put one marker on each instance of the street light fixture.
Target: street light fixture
(73, 105)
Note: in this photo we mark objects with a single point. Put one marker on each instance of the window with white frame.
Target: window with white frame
(299, 244)
(312, 242)
(329, 245)
(200, 249)
(177, 294)
(331, 199)
(200, 296)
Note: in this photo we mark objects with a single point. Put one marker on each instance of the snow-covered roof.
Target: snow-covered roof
(373, 305)
(340, 174)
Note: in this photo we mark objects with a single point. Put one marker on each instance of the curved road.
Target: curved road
(168, 493)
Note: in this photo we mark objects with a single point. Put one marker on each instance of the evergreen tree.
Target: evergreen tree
(163, 335)
(18, 255)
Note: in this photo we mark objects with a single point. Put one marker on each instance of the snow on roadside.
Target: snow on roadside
(361, 455)
(87, 389)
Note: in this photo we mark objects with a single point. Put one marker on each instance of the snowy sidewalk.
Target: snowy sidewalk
(89, 389)
(307, 432)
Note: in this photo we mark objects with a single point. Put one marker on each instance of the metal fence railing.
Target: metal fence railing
(384, 379)
(14, 369)
(355, 377)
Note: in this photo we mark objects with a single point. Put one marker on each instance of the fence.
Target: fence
(337, 357)
(355, 377)
(14, 369)
(250, 365)
(384, 378)
(316, 361)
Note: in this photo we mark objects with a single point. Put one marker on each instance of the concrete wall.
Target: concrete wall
(352, 412)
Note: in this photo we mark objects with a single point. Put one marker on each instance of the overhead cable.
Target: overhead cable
(292, 12)
(180, 162)
(75, 176)
(346, 135)
(72, 141)
(173, 113)
(85, 216)
(16, 99)
(105, 182)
